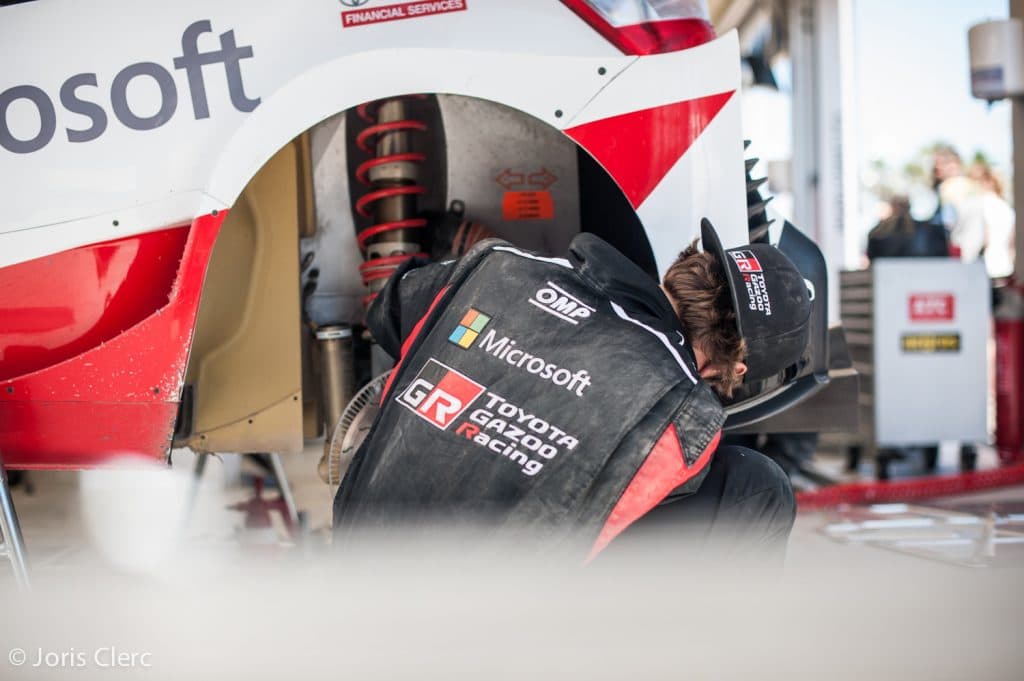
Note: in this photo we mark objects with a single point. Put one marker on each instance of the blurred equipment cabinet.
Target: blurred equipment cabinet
(918, 332)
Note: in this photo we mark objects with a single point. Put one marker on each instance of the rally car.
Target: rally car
(200, 199)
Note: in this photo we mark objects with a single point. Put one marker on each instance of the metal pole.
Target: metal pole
(1017, 104)
(804, 171)
(197, 479)
(285, 488)
(14, 544)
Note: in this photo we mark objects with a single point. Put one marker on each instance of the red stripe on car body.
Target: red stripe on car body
(121, 396)
(639, 148)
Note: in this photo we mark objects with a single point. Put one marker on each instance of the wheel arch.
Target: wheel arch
(521, 82)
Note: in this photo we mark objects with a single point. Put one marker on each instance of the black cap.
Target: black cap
(773, 308)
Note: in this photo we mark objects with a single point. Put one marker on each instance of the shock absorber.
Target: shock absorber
(392, 175)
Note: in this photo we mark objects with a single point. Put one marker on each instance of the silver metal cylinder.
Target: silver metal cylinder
(394, 142)
(337, 371)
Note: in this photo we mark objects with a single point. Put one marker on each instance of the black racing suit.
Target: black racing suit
(557, 397)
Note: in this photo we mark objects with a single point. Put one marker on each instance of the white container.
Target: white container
(997, 59)
(931, 327)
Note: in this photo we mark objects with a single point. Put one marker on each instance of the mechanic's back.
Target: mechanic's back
(554, 396)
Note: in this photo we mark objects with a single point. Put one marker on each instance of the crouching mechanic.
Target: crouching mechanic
(568, 399)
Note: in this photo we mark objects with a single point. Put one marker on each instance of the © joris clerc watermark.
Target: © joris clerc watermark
(103, 657)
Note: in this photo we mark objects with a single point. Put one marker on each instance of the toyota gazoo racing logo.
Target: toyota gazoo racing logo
(558, 302)
(519, 435)
(25, 131)
(753, 277)
(439, 394)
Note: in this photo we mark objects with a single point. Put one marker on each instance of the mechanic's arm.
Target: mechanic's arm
(404, 300)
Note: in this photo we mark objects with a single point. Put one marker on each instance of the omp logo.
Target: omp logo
(439, 394)
(32, 131)
(469, 328)
(746, 261)
(562, 304)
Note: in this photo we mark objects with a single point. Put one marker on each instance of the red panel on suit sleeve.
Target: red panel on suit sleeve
(662, 471)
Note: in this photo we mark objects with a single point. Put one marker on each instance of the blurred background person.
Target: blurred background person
(951, 186)
(984, 225)
(895, 225)
(899, 235)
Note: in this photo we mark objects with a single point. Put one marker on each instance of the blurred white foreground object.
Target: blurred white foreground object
(134, 511)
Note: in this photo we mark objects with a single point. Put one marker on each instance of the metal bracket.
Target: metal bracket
(12, 546)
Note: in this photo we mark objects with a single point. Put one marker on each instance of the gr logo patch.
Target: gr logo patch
(469, 328)
(439, 394)
(746, 261)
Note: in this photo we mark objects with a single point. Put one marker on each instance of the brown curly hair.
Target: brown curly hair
(697, 286)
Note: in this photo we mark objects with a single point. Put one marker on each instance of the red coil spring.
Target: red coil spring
(377, 268)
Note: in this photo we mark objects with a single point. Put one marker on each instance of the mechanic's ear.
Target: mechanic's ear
(710, 370)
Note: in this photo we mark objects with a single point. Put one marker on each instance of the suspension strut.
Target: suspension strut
(392, 176)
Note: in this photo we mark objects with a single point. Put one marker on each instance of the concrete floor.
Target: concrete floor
(56, 524)
(227, 603)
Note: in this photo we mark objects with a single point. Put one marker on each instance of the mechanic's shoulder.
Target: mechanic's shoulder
(590, 248)
(486, 245)
(698, 419)
(664, 344)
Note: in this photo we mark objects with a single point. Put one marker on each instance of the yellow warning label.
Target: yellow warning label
(930, 342)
